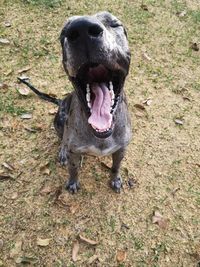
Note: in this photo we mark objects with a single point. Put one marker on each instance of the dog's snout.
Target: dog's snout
(81, 29)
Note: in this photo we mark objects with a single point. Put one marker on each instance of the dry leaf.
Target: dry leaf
(88, 241)
(146, 56)
(25, 69)
(64, 199)
(178, 121)
(46, 190)
(23, 91)
(121, 255)
(4, 177)
(4, 41)
(144, 7)
(53, 111)
(45, 169)
(8, 166)
(141, 111)
(26, 116)
(139, 106)
(43, 242)
(159, 219)
(16, 250)
(75, 250)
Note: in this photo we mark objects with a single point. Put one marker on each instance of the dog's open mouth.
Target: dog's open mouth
(99, 89)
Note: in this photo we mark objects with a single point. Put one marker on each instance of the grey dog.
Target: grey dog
(93, 119)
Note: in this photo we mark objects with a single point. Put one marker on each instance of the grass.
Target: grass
(162, 156)
(8, 106)
(45, 3)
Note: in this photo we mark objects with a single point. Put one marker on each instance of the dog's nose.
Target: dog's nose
(82, 29)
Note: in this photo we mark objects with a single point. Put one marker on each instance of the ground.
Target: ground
(40, 223)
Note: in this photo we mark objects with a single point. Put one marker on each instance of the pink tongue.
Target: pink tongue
(101, 117)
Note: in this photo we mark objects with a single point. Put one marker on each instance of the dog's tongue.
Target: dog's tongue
(101, 117)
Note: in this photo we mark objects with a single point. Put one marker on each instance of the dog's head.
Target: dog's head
(96, 58)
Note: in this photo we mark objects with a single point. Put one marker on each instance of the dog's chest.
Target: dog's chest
(98, 150)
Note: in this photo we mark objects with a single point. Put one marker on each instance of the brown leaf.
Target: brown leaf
(4, 177)
(139, 106)
(43, 242)
(53, 111)
(75, 250)
(4, 41)
(46, 171)
(26, 116)
(144, 7)
(88, 241)
(63, 199)
(159, 219)
(195, 47)
(8, 166)
(121, 255)
(23, 91)
(46, 190)
(141, 111)
(25, 69)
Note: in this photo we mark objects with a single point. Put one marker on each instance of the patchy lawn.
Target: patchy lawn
(40, 223)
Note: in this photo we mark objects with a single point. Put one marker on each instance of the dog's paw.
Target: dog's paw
(116, 184)
(73, 186)
(63, 157)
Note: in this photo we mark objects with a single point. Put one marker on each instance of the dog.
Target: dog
(94, 118)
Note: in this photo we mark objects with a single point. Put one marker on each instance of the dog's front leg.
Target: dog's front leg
(116, 180)
(73, 167)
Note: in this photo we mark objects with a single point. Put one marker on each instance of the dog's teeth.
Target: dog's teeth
(111, 86)
(89, 105)
(88, 88)
(112, 94)
(88, 97)
(112, 103)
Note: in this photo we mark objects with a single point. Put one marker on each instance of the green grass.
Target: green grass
(45, 3)
(8, 105)
(195, 15)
